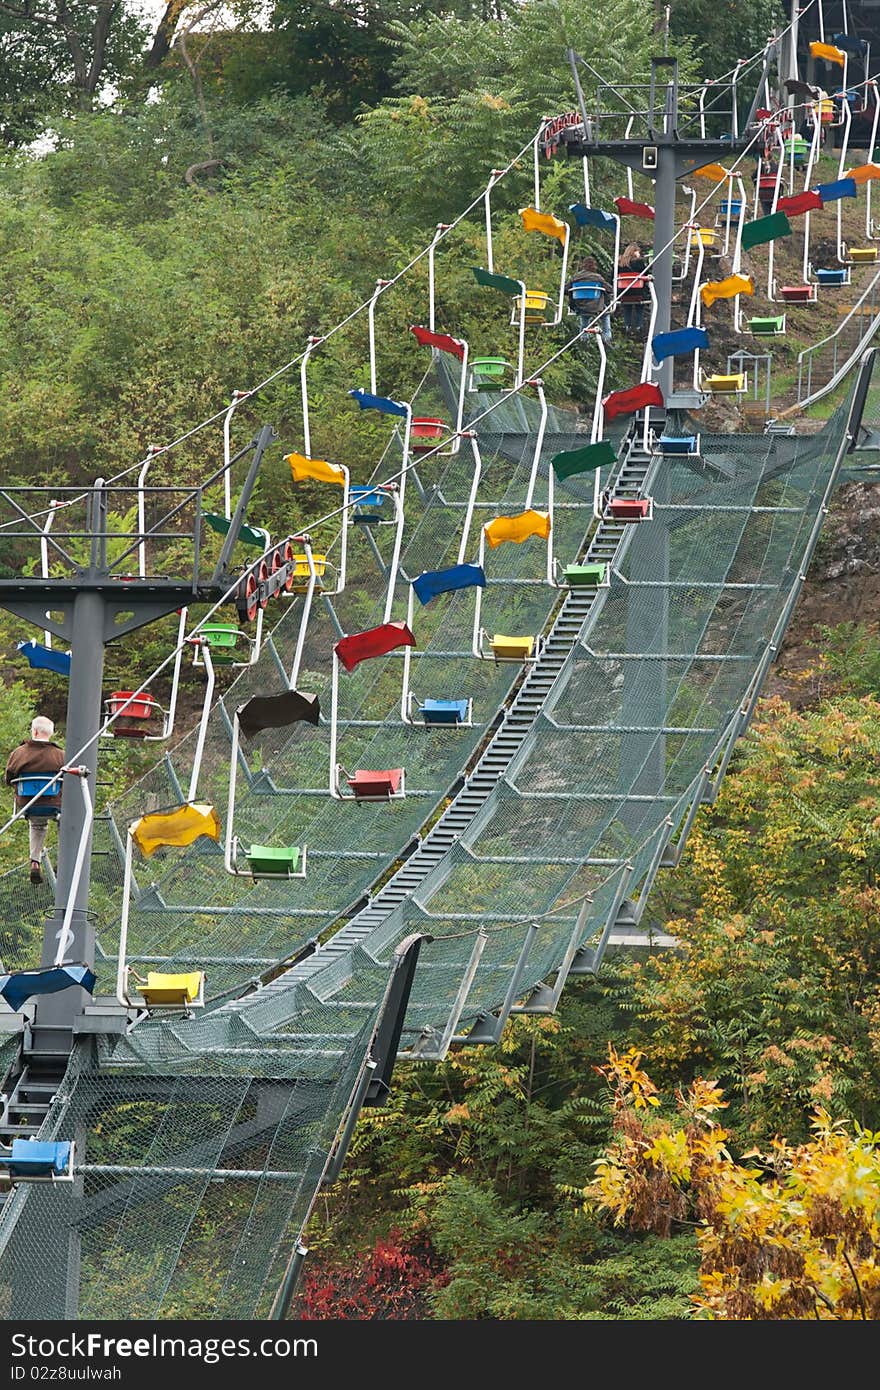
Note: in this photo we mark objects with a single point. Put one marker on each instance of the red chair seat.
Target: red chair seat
(376, 786)
(629, 508)
(141, 708)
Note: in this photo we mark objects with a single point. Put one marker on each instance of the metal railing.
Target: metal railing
(823, 365)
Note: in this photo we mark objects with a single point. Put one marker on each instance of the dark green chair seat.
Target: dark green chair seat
(248, 535)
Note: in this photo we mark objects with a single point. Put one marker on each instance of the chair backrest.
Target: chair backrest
(42, 784)
(585, 289)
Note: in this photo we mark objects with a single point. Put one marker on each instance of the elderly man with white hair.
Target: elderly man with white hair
(37, 754)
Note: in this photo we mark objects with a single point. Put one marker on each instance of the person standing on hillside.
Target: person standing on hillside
(36, 755)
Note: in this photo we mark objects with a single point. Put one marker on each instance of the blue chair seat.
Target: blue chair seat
(35, 1158)
(678, 444)
(832, 276)
(444, 711)
(585, 291)
(42, 785)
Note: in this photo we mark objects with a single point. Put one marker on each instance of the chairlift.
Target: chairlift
(437, 713)
(35, 1160)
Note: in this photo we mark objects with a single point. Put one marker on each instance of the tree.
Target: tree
(58, 55)
(777, 907)
(790, 1233)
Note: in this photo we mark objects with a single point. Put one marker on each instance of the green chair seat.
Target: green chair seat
(770, 326)
(584, 576)
(222, 639)
(488, 373)
(273, 860)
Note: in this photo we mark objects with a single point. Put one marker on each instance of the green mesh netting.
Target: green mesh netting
(647, 694)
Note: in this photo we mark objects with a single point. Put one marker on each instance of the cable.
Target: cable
(339, 511)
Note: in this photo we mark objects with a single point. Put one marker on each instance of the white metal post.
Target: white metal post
(371, 320)
(123, 920)
(230, 805)
(203, 722)
(65, 936)
(495, 176)
(334, 721)
(440, 229)
(472, 498)
(539, 439)
(168, 723)
(407, 652)
(237, 398)
(152, 451)
(304, 620)
(311, 343)
(44, 553)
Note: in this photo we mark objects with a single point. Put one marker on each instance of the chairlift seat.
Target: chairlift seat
(798, 294)
(222, 639)
(731, 206)
(367, 500)
(302, 574)
(42, 786)
(271, 861)
(512, 648)
(489, 373)
(365, 495)
(437, 713)
(39, 1160)
(682, 444)
(708, 237)
(377, 785)
(864, 255)
(173, 991)
(629, 508)
(796, 149)
(122, 701)
(133, 715)
(425, 432)
(632, 286)
(585, 290)
(833, 275)
(770, 327)
(726, 383)
(535, 306)
(589, 576)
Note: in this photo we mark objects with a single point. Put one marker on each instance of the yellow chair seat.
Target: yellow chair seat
(170, 990)
(724, 384)
(709, 236)
(536, 306)
(301, 574)
(512, 648)
(863, 255)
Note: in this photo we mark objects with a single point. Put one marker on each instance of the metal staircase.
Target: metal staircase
(525, 704)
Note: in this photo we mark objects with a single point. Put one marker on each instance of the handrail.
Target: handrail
(839, 367)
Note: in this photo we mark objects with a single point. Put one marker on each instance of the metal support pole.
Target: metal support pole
(291, 1279)
(661, 264)
(261, 443)
(74, 826)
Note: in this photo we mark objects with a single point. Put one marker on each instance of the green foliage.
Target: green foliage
(850, 654)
